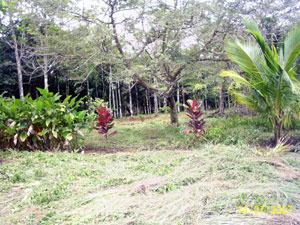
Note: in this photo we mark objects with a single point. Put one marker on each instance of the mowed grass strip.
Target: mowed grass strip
(202, 186)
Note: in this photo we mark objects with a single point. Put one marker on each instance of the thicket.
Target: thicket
(45, 123)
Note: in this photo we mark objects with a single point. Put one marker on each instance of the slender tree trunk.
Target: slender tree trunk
(159, 103)
(120, 100)
(88, 95)
(113, 101)
(155, 104)
(183, 94)
(137, 100)
(110, 89)
(173, 110)
(130, 101)
(147, 102)
(165, 104)
(221, 98)
(156, 101)
(178, 98)
(18, 61)
(45, 61)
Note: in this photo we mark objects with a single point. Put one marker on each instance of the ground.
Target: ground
(154, 174)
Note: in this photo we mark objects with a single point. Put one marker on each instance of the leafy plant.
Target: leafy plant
(142, 117)
(193, 111)
(104, 122)
(41, 124)
(270, 75)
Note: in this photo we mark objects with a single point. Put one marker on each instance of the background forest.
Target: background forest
(139, 56)
(150, 112)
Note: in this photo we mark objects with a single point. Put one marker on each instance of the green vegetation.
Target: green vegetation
(193, 147)
(137, 186)
(271, 77)
(41, 124)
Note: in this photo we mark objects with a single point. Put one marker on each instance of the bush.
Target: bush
(41, 124)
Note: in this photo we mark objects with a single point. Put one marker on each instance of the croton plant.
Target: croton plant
(197, 127)
(104, 122)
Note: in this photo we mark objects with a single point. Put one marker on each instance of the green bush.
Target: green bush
(45, 123)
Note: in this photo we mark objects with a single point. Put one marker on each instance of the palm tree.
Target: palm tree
(270, 76)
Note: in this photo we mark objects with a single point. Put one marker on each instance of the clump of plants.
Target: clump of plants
(45, 123)
(197, 125)
(104, 122)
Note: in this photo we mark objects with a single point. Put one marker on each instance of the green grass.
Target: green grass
(202, 185)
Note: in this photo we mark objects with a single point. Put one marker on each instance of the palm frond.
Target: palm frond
(291, 48)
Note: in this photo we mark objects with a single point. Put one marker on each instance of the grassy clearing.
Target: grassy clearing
(156, 133)
(204, 185)
(152, 187)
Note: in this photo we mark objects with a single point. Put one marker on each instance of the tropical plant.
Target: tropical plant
(104, 122)
(193, 111)
(41, 124)
(270, 76)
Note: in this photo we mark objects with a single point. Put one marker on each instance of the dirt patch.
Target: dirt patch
(284, 219)
(4, 161)
(136, 119)
(88, 150)
(294, 142)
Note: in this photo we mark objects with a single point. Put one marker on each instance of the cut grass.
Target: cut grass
(180, 184)
(151, 187)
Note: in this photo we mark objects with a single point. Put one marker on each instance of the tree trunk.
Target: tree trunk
(19, 67)
(178, 98)
(147, 102)
(137, 100)
(130, 101)
(88, 95)
(221, 98)
(183, 94)
(155, 104)
(120, 100)
(173, 110)
(165, 104)
(113, 101)
(110, 88)
(277, 131)
(45, 59)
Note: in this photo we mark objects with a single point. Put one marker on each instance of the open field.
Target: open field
(155, 177)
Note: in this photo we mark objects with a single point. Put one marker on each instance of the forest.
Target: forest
(149, 112)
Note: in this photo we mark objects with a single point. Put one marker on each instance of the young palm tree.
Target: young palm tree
(269, 74)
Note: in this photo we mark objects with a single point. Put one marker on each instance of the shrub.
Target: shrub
(41, 124)
(194, 113)
(104, 122)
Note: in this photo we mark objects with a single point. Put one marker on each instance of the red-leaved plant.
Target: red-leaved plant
(104, 122)
(193, 111)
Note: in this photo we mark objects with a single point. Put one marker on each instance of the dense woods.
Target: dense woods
(139, 56)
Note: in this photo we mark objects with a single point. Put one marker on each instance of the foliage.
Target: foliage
(142, 117)
(41, 124)
(96, 103)
(193, 111)
(104, 122)
(270, 76)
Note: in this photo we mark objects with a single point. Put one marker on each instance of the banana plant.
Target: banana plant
(270, 74)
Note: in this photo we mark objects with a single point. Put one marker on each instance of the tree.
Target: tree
(270, 75)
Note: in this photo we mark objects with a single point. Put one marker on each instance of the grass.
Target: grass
(202, 185)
